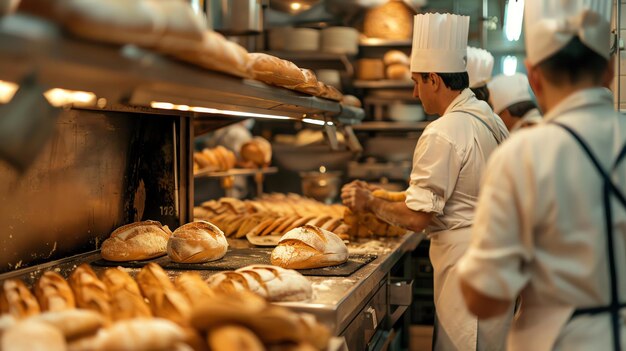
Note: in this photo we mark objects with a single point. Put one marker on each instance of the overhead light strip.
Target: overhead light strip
(170, 106)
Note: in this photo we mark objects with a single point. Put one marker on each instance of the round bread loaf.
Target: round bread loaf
(370, 69)
(258, 151)
(309, 247)
(398, 71)
(396, 57)
(136, 241)
(197, 242)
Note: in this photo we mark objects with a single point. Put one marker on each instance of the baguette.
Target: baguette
(310, 85)
(193, 287)
(141, 334)
(197, 242)
(126, 299)
(73, 324)
(136, 241)
(89, 291)
(54, 293)
(275, 71)
(237, 307)
(17, 300)
(32, 336)
(394, 196)
(258, 151)
(165, 301)
(309, 247)
(233, 338)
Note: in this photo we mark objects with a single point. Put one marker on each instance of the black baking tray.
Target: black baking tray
(237, 258)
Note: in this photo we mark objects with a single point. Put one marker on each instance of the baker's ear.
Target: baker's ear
(435, 80)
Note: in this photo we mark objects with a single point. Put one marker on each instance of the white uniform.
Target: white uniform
(531, 117)
(539, 228)
(448, 163)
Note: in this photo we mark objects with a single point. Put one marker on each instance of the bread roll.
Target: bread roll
(54, 293)
(193, 287)
(398, 72)
(197, 242)
(273, 70)
(351, 100)
(17, 300)
(165, 301)
(270, 282)
(258, 151)
(141, 334)
(235, 307)
(73, 323)
(370, 69)
(393, 57)
(136, 241)
(309, 247)
(89, 291)
(32, 336)
(126, 299)
(233, 338)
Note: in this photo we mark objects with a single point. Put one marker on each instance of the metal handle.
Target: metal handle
(370, 313)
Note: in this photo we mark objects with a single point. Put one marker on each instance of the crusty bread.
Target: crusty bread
(270, 282)
(258, 151)
(396, 57)
(398, 72)
(330, 92)
(6, 321)
(140, 334)
(392, 20)
(73, 323)
(233, 307)
(32, 336)
(351, 100)
(136, 241)
(183, 28)
(310, 85)
(17, 300)
(273, 70)
(309, 247)
(54, 293)
(89, 291)
(193, 287)
(303, 346)
(126, 299)
(233, 338)
(197, 242)
(165, 301)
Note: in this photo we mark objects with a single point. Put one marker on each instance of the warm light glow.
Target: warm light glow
(60, 97)
(313, 121)
(509, 65)
(322, 169)
(170, 106)
(296, 6)
(7, 90)
(513, 19)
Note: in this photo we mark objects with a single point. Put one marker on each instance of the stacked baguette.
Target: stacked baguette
(366, 224)
(216, 159)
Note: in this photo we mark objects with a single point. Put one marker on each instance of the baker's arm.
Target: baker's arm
(481, 305)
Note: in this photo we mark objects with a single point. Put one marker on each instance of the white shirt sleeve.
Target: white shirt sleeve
(436, 167)
(497, 261)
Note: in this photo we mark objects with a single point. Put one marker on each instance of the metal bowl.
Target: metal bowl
(322, 187)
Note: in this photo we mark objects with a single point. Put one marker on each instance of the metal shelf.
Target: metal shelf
(235, 172)
(317, 59)
(383, 84)
(391, 126)
(377, 42)
(129, 76)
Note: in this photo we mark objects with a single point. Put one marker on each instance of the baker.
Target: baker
(448, 163)
(479, 69)
(551, 217)
(511, 99)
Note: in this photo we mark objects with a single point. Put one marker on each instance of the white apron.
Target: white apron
(455, 327)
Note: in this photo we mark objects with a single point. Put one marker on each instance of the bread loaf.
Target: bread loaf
(197, 242)
(54, 293)
(310, 85)
(351, 100)
(330, 92)
(270, 282)
(141, 334)
(393, 20)
(17, 300)
(309, 247)
(136, 241)
(89, 291)
(126, 299)
(273, 70)
(32, 336)
(193, 287)
(370, 69)
(183, 28)
(216, 159)
(393, 57)
(73, 324)
(233, 338)
(398, 72)
(235, 307)
(165, 301)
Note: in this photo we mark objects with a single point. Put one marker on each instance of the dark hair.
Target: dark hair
(482, 93)
(572, 64)
(454, 81)
(518, 110)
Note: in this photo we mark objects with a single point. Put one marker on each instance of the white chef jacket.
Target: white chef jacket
(539, 227)
(449, 160)
(531, 117)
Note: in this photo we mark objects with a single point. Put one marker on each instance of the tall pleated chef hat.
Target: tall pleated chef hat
(505, 91)
(479, 66)
(551, 24)
(439, 43)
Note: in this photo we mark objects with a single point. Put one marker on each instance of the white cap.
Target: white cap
(439, 43)
(479, 66)
(551, 24)
(505, 91)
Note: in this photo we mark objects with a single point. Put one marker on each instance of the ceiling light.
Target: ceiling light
(7, 90)
(513, 18)
(509, 65)
(295, 6)
(199, 109)
(58, 97)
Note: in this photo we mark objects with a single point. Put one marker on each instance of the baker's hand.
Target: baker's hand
(356, 198)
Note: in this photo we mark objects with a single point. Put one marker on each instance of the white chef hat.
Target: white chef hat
(551, 24)
(439, 43)
(505, 91)
(479, 66)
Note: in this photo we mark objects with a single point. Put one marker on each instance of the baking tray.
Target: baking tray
(240, 257)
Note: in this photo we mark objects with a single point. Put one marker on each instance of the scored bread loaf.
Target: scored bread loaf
(258, 151)
(32, 336)
(309, 247)
(330, 92)
(17, 300)
(54, 293)
(275, 71)
(126, 299)
(193, 287)
(140, 334)
(197, 242)
(136, 241)
(310, 86)
(233, 338)
(270, 282)
(89, 291)
(165, 301)
(74, 323)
